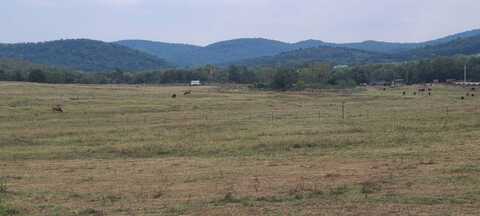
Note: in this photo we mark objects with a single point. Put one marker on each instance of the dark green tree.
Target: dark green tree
(37, 75)
(284, 79)
(3, 75)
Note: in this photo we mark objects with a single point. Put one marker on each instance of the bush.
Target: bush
(300, 85)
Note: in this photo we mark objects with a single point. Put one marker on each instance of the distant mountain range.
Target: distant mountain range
(349, 56)
(138, 55)
(218, 53)
(238, 50)
(82, 54)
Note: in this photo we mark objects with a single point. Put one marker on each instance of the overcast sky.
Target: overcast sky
(205, 21)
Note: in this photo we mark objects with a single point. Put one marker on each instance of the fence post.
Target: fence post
(87, 116)
(394, 121)
(445, 121)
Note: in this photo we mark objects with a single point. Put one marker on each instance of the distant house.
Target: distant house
(340, 67)
(195, 83)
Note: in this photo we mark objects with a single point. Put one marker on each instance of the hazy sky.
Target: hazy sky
(205, 21)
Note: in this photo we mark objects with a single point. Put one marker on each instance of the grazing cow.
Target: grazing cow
(187, 92)
(462, 98)
(174, 96)
(57, 108)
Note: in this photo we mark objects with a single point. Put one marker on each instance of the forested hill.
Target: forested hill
(323, 54)
(462, 35)
(183, 55)
(464, 46)
(179, 54)
(83, 54)
(138, 55)
(340, 55)
(243, 49)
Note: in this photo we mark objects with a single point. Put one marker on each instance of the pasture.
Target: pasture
(223, 150)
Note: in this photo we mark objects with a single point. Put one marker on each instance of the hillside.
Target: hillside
(465, 46)
(393, 47)
(462, 35)
(342, 55)
(324, 54)
(242, 49)
(179, 54)
(217, 53)
(136, 55)
(233, 50)
(380, 46)
(189, 55)
(82, 54)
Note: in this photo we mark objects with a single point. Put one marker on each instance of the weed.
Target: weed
(3, 186)
(6, 211)
(336, 192)
(90, 212)
(369, 187)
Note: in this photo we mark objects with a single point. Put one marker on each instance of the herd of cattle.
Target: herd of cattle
(429, 90)
(421, 90)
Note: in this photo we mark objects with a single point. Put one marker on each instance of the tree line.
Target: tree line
(312, 75)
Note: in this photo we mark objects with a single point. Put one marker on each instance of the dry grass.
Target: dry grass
(133, 150)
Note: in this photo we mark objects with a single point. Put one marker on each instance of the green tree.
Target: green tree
(18, 76)
(284, 79)
(37, 75)
(3, 75)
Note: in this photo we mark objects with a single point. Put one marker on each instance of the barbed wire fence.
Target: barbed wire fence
(332, 113)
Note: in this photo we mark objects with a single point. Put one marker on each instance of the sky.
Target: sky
(202, 22)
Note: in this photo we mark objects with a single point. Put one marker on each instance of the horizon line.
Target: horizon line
(240, 38)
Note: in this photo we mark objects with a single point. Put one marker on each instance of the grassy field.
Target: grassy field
(134, 150)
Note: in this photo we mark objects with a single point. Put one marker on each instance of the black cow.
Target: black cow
(57, 108)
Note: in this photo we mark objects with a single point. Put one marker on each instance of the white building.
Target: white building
(195, 83)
